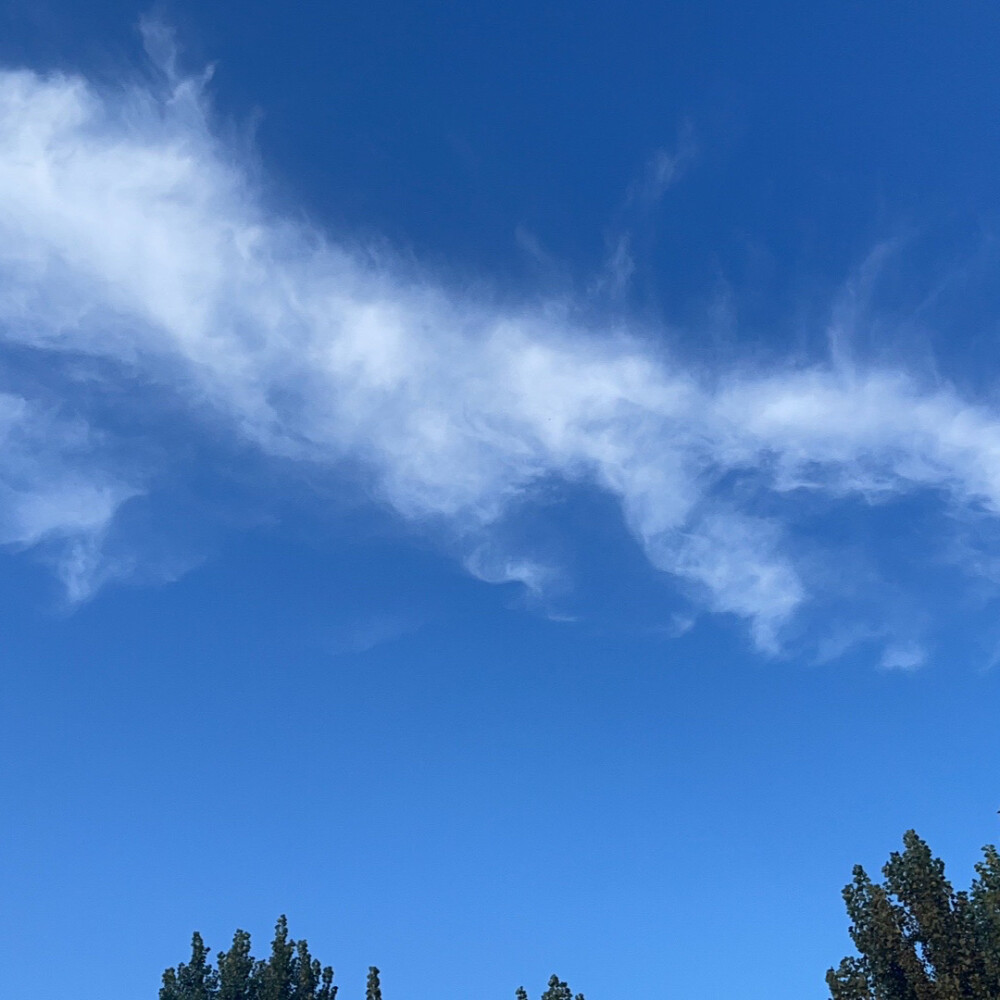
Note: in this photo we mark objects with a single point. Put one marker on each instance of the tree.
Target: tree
(289, 973)
(236, 968)
(558, 990)
(917, 938)
(195, 981)
(278, 975)
(374, 990)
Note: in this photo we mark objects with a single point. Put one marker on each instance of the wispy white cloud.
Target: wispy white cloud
(659, 173)
(130, 232)
(663, 169)
(54, 490)
(369, 633)
(905, 656)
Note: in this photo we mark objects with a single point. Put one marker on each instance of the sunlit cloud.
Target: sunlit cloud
(132, 233)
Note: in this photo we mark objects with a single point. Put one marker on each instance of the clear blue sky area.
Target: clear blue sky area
(514, 487)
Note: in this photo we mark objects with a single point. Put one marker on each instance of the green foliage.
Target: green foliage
(289, 973)
(917, 938)
(558, 990)
(194, 981)
(374, 990)
(236, 968)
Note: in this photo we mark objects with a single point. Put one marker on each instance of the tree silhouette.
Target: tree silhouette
(558, 990)
(374, 990)
(917, 938)
(289, 973)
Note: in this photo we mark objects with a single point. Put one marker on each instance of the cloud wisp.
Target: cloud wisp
(55, 489)
(131, 233)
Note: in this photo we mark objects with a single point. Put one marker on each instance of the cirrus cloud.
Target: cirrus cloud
(130, 232)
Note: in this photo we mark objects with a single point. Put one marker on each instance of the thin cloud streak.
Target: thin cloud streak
(54, 491)
(130, 232)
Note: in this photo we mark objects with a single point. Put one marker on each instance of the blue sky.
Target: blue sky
(514, 487)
